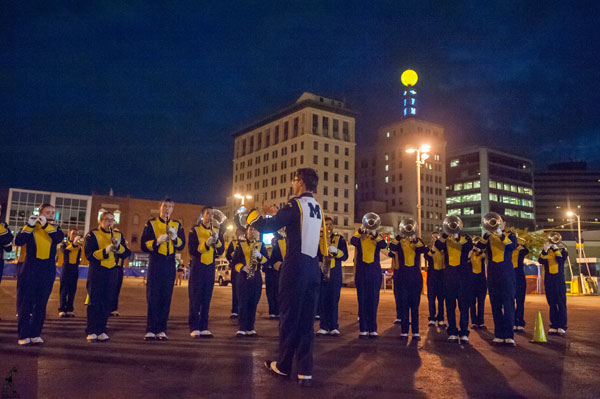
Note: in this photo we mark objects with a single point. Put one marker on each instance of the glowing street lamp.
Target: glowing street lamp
(422, 155)
(242, 197)
(571, 214)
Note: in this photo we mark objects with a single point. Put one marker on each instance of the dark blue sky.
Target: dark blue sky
(144, 98)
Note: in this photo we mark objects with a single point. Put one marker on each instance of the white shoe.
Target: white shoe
(103, 337)
(115, 313)
(497, 341)
(416, 336)
(453, 338)
(233, 316)
(240, 333)
(322, 332)
(334, 332)
(363, 334)
(92, 338)
(195, 334)
(25, 341)
(37, 341)
(251, 333)
(552, 331)
(431, 323)
(162, 336)
(403, 336)
(205, 334)
(561, 331)
(373, 334)
(397, 321)
(150, 336)
(510, 341)
(62, 314)
(464, 339)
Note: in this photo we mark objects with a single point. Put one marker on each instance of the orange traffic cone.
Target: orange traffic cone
(539, 335)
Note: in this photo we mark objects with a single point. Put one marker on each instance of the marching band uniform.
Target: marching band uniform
(272, 274)
(435, 285)
(249, 288)
(478, 285)
(553, 259)
(161, 272)
(102, 278)
(501, 283)
(409, 252)
(234, 291)
(368, 280)
(298, 281)
(68, 278)
(36, 276)
(6, 238)
(396, 280)
(204, 248)
(330, 289)
(518, 262)
(456, 283)
(114, 307)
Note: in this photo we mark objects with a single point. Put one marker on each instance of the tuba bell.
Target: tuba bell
(452, 225)
(370, 222)
(408, 227)
(555, 239)
(491, 222)
(239, 218)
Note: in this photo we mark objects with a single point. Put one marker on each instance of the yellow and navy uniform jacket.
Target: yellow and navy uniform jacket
(40, 241)
(278, 252)
(243, 252)
(436, 261)
(95, 245)
(553, 261)
(367, 248)
(157, 227)
(409, 252)
(230, 251)
(518, 256)
(6, 238)
(342, 254)
(393, 255)
(70, 253)
(478, 262)
(499, 250)
(456, 251)
(205, 254)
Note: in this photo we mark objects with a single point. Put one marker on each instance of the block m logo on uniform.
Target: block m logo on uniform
(315, 210)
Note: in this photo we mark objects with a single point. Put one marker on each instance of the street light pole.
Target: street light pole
(422, 155)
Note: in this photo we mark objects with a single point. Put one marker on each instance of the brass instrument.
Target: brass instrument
(408, 227)
(491, 223)
(115, 241)
(556, 239)
(253, 266)
(370, 222)
(452, 225)
(325, 264)
(239, 218)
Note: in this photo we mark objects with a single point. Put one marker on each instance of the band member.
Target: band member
(456, 250)
(272, 272)
(435, 282)
(71, 254)
(336, 253)
(179, 275)
(299, 277)
(553, 259)
(6, 238)
(37, 274)
(518, 262)
(499, 247)
(240, 236)
(103, 248)
(205, 245)
(367, 279)
(478, 287)
(248, 259)
(114, 308)
(161, 238)
(409, 250)
(396, 280)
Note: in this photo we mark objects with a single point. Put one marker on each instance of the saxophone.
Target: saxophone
(253, 266)
(325, 264)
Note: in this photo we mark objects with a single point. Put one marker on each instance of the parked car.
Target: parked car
(222, 272)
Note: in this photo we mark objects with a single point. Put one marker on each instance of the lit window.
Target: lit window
(454, 163)
(469, 211)
(468, 185)
(511, 212)
(493, 197)
(452, 212)
(387, 179)
(436, 157)
(387, 167)
(388, 133)
(492, 184)
(528, 191)
(471, 197)
(413, 111)
(551, 219)
(513, 188)
(458, 187)
(476, 184)
(452, 200)
(387, 157)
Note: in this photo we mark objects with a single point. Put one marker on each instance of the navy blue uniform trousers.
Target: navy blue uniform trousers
(200, 290)
(397, 294)
(456, 289)
(115, 302)
(299, 282)
(411, 286)
(234, 291)
(556, 295)
(272, 290)
(68, 287)
(521, 289)
(435, 292)
(159, 290)
(35, 282)
(330, 298)
(501, 285)
(101, 284)
(368, 282)
(478, 294)
(249, 291)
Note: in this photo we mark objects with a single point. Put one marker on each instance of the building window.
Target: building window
(346, 193)
(315, 123)
(336, 177)
(326, 147)
(336, 128)
(345, 220)
(346, 165)
(345, 131)
(335, 206)
(315, 146)
(326, 161)
(295, 131)
(346, 151)
(285, 130)
(325, 176)
(345, 179)
(335, 192)
(325, 126)
(276, 135)
(336, 163)
(325, 205)
(454, 163)
(325, 190)
(468, 211)
(316, 159)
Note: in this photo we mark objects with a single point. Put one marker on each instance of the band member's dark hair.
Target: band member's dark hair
(327, 218)
(167, 199)
(44, 206)
(206, 208)
(309, 177)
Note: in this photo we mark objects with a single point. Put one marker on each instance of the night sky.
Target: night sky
(144, 98)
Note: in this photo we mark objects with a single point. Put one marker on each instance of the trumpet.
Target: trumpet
(556, 239)
(408, 227)
(452, 225)
(115, 241)
(491, 223)
(253, 266)
(370, 223)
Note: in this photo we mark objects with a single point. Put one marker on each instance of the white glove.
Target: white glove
(32, 221)
(554, 246)
(546, 246)
(109, 248)
(257, 254)
(332, 250)
(211, 241)
(246, 268)
(456, 236)
(43, 220)
(162, 238)
(172, 233)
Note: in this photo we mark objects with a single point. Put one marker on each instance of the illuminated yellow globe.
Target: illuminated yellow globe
(409, 78)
